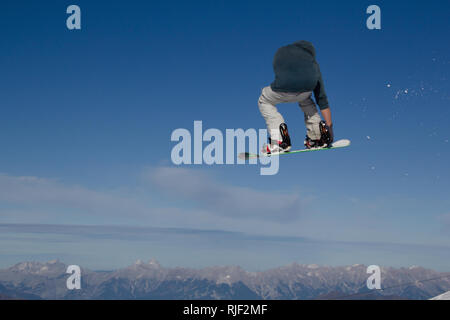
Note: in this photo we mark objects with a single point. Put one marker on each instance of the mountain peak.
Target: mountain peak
(36, 267)
(140, 264)
(26, 266)
(53, 261)
(153, 262)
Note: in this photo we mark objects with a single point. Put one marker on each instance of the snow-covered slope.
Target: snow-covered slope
(444, 296)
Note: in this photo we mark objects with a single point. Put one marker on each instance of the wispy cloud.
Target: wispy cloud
(41, 194)
(98, 247)
(135, 233)
(226, 200)
(445, 220)
(203, 201)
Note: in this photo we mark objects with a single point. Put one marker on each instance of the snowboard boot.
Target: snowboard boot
(276, 147)
(326, 138)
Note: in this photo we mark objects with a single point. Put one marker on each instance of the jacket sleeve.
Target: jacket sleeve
(320, 94)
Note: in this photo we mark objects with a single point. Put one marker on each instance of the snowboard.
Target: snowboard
(335, 145)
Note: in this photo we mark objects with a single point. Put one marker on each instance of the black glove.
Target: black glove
(331, 132)
(326, 132)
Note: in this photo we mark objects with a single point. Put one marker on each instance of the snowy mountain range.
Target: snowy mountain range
(149, 280)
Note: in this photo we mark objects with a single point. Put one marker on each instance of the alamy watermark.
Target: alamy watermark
(213, 147)
(73, 282)
(73, 21)
(374, 281)
(374, 20)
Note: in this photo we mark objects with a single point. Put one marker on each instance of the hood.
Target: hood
(307, 46)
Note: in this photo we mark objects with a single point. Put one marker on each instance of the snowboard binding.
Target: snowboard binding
(326, 138)
(286, 140)
(286, 143)
(279, 146)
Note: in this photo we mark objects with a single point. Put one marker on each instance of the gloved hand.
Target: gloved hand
(327, 135)
(331, 132)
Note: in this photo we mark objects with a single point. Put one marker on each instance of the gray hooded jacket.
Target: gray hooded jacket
(296, 70)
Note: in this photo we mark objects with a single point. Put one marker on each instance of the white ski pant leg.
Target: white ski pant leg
(312, 117)
(267, 106)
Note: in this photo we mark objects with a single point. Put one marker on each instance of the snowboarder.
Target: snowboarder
(297, 76)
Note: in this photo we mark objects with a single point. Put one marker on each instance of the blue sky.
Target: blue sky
(87, 117)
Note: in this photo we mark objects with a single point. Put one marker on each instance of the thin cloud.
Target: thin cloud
(226, 200)
(35, 192)
(202, 202)
(445, 220)
(98, 246)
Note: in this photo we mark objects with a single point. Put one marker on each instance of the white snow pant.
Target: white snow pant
(267, 105)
